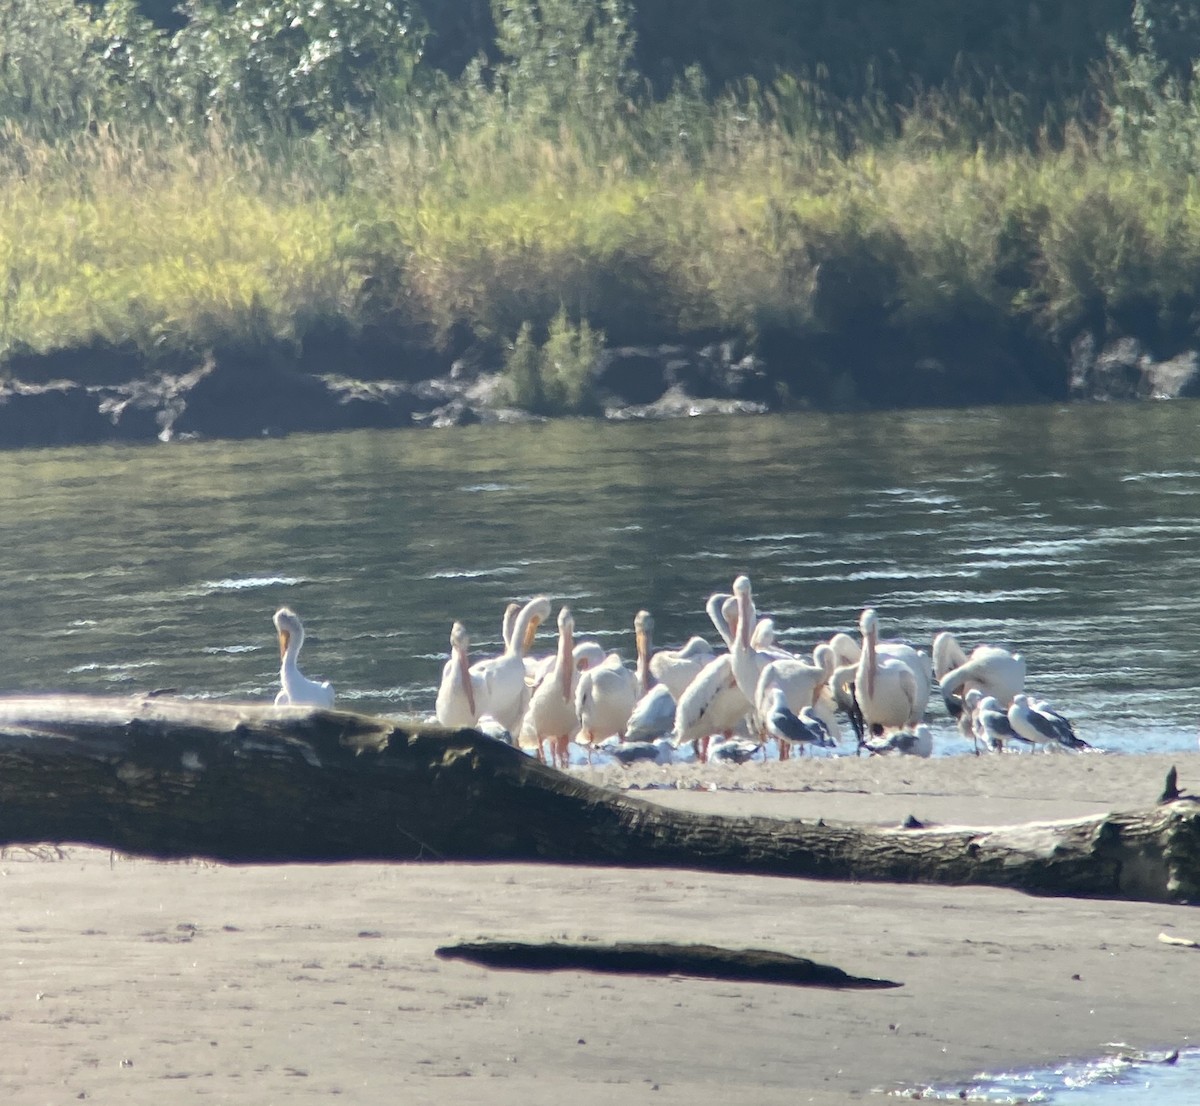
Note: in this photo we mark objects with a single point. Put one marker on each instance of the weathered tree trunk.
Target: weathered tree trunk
(250, 783)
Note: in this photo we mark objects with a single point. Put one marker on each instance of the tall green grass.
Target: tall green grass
(535, 232)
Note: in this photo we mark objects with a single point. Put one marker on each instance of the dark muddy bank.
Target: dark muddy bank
(105, 394)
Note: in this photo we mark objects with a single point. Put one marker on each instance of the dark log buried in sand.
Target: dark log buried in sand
(247, 783)
(646, 958)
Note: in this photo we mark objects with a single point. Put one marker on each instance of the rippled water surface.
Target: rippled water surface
(1071, 534)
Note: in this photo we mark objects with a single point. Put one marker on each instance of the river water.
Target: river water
(1069, 533)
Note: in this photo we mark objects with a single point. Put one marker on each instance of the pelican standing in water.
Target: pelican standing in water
(297, 689)
(604, 700)
(551, 714)
(456, 704)
(500, 688)
(748, 660)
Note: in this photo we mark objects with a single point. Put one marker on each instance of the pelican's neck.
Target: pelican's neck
(463, 660)
(745, 626)
(867, 663)
(525, 627)
(644, 678)
(291, 655)
(716, 613)
(566, 659)
(947, 654)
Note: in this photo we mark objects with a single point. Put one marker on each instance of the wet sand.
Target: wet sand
(134, 981)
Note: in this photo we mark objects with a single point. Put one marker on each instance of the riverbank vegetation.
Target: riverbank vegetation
(262, 175)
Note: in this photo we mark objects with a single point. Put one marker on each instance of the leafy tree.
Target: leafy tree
(265, 64)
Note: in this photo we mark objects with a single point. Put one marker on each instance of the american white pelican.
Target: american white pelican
(676, 668)
(1039, 724)
(991, 669)
(992, 726)
(551, 715)
(604, 700)
(297, 689)
(917, 742)
(748, 659)
(722, 612)
(456, 706)
(509, 622)
(886, 687)
(848, 654)
(712, 704)
(499, 682)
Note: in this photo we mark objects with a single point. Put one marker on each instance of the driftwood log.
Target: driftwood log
(244, 783)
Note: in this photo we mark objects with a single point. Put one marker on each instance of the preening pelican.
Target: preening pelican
(1039, 724)
(297, 689)
(990, 669)
(676, 668)
(456, 705)
(551, 713)
(499, 682)
(886, 687)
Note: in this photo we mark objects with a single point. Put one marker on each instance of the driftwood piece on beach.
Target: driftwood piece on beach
(247, 783)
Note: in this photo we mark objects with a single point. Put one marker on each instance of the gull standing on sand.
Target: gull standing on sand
(297, 689)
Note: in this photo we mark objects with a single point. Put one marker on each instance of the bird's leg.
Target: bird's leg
(784, 750)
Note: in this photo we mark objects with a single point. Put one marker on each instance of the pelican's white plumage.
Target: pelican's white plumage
(499, 682)
(676, 668)
(456, 700)
(712, 704)
(604, 700)
(886, 687)
(551, 715)
(748, 659)
(989, 669)
(297, 689)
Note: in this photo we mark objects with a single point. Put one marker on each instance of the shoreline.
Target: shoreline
(98, 395)
(137, 978)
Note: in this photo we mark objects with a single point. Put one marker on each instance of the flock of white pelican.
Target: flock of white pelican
(730, 702)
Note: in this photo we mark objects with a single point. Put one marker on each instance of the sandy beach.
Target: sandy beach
(134, 981)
